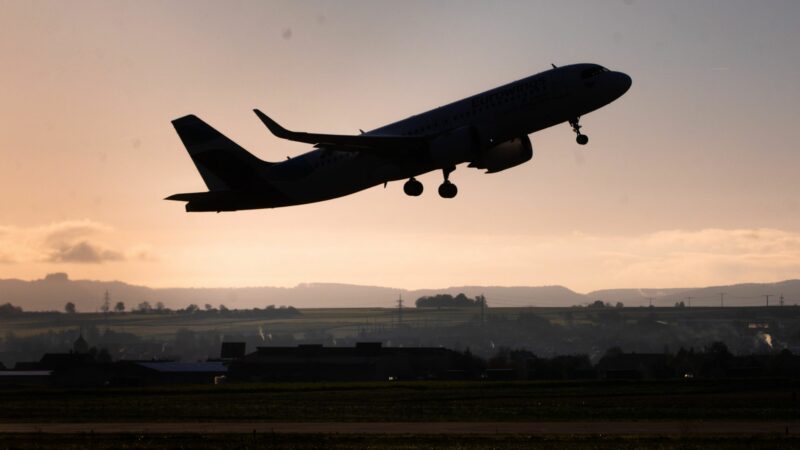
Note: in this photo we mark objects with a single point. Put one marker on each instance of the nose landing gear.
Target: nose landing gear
(448, 189)
(581, 139)
(413, 187)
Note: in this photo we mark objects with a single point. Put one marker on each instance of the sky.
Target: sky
(690, 179)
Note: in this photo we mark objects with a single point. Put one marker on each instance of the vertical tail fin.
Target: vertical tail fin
(222, 163)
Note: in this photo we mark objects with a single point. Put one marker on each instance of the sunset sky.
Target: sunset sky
(692, 178)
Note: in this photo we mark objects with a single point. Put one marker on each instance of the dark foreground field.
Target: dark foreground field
(591, 414)
(747, 400)
(384, 442)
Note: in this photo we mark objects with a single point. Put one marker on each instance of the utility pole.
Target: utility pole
(689, 302)
(650, 299)
(106, 307)
(767, 296)
(781, 298)
(400, 310)
(721, 299)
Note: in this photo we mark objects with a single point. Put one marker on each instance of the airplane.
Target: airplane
(489, 131)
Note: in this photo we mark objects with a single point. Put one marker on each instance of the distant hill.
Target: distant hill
(734, 295)
(52, 292)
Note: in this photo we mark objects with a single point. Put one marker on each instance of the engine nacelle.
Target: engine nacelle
(504, 155)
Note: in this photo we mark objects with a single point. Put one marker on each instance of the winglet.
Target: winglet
(273, 126)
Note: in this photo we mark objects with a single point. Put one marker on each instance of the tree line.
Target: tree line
(448, 301)
(8, 310)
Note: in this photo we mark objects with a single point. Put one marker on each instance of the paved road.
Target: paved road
(528, 428)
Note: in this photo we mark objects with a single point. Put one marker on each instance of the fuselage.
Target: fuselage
(516, 109)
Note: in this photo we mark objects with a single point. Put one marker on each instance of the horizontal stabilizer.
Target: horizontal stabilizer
(232, 200)
(190, 196)
(215, 200)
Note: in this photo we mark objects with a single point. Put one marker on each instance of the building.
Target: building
(634, 366)
(367, 361)
(141, 373)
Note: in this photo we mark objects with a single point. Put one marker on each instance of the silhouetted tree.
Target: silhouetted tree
(69, 308)
(446, 300)
(8, 309)
(119, 307)
(144, 307)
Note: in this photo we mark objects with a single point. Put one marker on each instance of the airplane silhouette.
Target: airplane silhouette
(488, 130)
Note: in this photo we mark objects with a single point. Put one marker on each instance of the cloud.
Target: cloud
(74, 241)
(57, 234)
(84, 252)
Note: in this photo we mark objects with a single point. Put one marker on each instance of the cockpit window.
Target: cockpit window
(593, 72)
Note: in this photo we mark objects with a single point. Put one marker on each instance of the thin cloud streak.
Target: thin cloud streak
(84, 252)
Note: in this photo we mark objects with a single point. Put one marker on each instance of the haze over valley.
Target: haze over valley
(53, 291)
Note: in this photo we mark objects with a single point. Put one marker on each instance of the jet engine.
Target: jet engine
(504, 155)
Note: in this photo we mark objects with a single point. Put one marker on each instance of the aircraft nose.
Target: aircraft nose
(623, 81)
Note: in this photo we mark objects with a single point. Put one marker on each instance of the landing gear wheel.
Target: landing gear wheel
(413, 188)
(448, 190)
(581, 139)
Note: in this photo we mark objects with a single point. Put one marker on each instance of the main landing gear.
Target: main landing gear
(413, 187)
(581, 139)
(448, 189)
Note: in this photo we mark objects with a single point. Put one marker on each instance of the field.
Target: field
(338, 322)
(765, 400)
(581, 415)
(342, 322)
(383, 442)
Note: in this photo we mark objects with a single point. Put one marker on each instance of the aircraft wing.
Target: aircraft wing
(353, 143)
